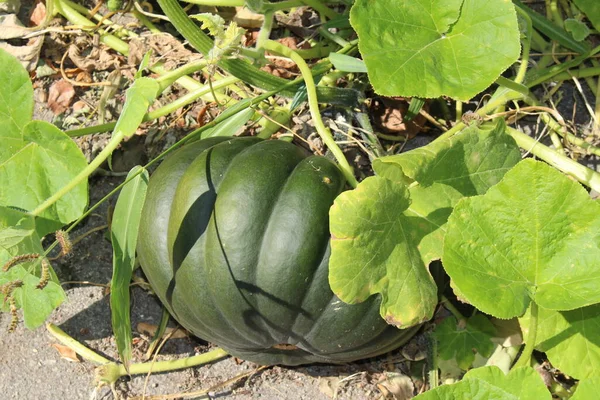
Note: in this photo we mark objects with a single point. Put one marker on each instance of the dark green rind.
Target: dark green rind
(251, 261)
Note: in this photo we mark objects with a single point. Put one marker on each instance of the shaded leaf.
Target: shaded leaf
(591, 8)
(431, 48)
(462, 343)
(124, 230)
(570, 339)
(532, 237)
(470, 162)
(577, 29)
(491, 383)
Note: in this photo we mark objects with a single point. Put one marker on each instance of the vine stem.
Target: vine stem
(462, 321)
(525, 358)
(74, 345)
(580, 172)
(110, 372)
(322, 9)
(313, 105)
(501, 97)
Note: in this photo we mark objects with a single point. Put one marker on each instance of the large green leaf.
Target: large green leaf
(45, 161)
(18, 235)
(587, 389)
(124, 232)
(534, 236)
(490, 383)
(431, 48)
(16, 104)
(470, 162)
(570, 339)
(383, 242)
(462, 342)
(591, 8)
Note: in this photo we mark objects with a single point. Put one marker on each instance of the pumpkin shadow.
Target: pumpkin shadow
(253, 317)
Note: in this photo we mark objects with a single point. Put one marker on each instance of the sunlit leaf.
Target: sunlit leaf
(432, 48)
(490, 383)
(533, 237)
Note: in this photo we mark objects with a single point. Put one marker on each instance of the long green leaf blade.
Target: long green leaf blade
(124, 229)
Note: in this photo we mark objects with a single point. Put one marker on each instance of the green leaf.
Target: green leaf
(570, 339)
(466, 164)
(45, 161)
(231, 125)
(374, 251)
(347, 63)
(462, 343)
(587, 389)
(470, 162)
(124, 230)
(37, 304)
(138, 98)
(577, 29)
(591, 9)
(18, 235)
(16, 104)
(385, 235)
(489, 383)
(532, 237)
(432, 48)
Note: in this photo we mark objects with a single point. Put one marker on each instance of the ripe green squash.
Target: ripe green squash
(234, 240)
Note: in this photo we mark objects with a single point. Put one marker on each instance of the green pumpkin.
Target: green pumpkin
(234, 240)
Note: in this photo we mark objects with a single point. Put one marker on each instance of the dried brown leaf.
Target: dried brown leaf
(66, 352)
(329, 386)
(11, 27)
(164, 47)
(38, 14)
(60, 95)
(28, 55)
(248, 19)
(396, 386)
